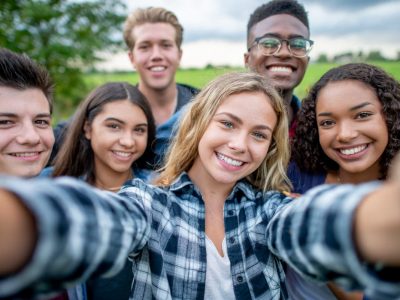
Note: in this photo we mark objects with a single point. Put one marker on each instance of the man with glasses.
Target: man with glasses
(278, 46)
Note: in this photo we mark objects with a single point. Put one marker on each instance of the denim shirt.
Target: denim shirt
(313, 234)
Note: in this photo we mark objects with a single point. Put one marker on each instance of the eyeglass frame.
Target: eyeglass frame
(257, 40)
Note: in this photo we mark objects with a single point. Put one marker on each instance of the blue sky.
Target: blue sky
(215, 30)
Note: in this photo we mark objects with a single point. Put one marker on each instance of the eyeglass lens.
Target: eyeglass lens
(297, 46)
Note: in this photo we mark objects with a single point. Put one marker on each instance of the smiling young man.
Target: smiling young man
(154, 38)
(26, 136)
(278, 46)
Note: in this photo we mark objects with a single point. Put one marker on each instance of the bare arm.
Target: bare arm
(17, 233)
(377, 222)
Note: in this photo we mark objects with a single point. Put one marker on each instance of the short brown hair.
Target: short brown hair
(151, 15)
(20, 72)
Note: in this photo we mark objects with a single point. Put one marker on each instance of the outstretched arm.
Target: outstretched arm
(60, 232)
(17, 233)
(345, 233)
(377, 222)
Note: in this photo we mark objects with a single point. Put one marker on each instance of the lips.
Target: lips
(230, 161)
(157, 68)
(122, 155)
(26, 156)
(280, 69)
(352, 152)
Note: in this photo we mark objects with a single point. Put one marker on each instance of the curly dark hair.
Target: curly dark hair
(276, 7)
(306, 148)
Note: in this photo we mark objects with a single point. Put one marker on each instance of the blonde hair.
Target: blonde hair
(151, 15)
(271, 174)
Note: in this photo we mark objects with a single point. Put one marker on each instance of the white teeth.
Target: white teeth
(280, 69)
(25, 154)
(157, 69)
(353, 150)
(229, 161)
(123, 154)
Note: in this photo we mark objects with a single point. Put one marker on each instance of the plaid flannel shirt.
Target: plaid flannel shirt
(312, 233)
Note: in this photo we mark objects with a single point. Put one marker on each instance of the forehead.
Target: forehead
(281, 25)
(250, 107)
(23, 101)
(153, 32)
(122, 109)
(345, 94)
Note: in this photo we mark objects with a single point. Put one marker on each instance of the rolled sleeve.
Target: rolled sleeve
(82, 231)
(314, 235)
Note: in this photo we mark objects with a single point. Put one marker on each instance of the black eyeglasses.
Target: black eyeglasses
(298, 47)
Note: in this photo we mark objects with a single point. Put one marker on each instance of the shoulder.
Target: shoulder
(46, 172)
(186, 88)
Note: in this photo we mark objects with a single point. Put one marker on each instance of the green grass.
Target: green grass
(200, 77)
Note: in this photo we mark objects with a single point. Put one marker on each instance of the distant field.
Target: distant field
(199, 77)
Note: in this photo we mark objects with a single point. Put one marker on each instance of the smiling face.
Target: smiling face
(118, 137)
(236, 141)
(155, 55)
(26, 136)
(282, 69)
(352, 128)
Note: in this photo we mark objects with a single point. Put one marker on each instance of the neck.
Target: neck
(287, 100)
(111, 182)
(162, 102)
(210, 189)
(354, 178)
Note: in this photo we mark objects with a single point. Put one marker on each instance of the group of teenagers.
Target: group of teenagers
(235, 191)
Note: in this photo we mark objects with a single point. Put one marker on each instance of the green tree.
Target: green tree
(375, 56)
(65, 36)
(322, 58)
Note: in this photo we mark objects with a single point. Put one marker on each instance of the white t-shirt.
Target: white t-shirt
(219, 284)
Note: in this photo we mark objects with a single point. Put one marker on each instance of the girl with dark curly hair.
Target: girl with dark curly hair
(348, 132)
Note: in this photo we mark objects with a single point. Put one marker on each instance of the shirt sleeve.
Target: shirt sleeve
(314, 235)
(82, 231)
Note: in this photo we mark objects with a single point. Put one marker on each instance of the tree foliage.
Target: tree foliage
(65, 36)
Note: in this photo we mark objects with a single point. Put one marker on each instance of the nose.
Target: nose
(156, 52)
(346, 132)
(283, 50)
(28, 135)
(238, 143)
(127, 140)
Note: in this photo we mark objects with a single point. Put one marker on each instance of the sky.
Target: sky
(215, 30)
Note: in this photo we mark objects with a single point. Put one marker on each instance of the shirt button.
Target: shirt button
(239, 278)
(232, 240)
(231, 212)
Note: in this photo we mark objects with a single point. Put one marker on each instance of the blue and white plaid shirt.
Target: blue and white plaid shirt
(313, 234)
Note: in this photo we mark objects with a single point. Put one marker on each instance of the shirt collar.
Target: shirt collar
(243, 187)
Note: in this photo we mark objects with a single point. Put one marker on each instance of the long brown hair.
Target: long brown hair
(76, 157)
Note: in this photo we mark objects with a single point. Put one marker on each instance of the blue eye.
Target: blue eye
(259, 135)
(227, 124)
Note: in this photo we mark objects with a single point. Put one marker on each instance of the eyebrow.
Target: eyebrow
(277, 35)
(122, 122)
(238, 120)
(13, 115)
(356, 107)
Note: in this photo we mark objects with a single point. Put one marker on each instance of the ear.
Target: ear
(180, 55)
(246, 59)
(87, 130)
(131, 58)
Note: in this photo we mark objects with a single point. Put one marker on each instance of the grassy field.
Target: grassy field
(199, 77)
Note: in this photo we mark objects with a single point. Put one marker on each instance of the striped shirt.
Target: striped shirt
(313, 234)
